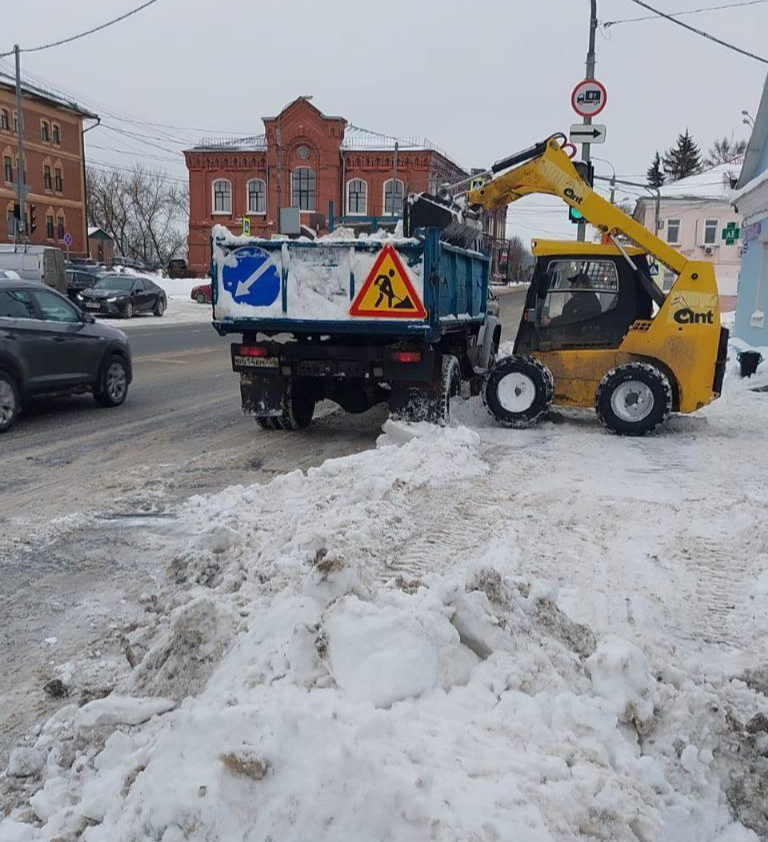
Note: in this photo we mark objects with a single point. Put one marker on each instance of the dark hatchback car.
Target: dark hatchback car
(49, 348)
(79, 279)
(123, 295)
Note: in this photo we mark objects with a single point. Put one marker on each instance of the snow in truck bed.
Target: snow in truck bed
(465, 633)
(318, 276)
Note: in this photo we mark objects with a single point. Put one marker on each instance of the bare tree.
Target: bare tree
(519, 260)
(724, 151)
(144, 211)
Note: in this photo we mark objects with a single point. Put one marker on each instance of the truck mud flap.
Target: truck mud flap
(262, 395)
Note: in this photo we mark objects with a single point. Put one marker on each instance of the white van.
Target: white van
(36, 263)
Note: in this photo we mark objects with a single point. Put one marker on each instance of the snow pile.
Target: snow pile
(378, 649)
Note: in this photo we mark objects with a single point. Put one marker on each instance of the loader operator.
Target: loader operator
(582, 304)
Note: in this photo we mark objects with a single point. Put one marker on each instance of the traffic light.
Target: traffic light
(32, 218)
(586, 172)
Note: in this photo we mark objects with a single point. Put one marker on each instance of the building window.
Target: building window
(47, 183)
(357, 197)
(60, 230)
(49, 227)
(59, 181)
(710, 232)
(56, 134)
(16, 122)
(45, 131)
(303, 188)
(394, 193)
(673, 230)
(257, 196)
(5, 120)
(8, 168)
(222, 196)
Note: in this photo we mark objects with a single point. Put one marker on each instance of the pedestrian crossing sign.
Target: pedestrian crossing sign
(388, 292)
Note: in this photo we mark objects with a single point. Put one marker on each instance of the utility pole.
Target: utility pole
(581, 233)
(20, 192)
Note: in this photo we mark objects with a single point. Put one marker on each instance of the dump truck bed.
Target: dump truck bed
(414, 287)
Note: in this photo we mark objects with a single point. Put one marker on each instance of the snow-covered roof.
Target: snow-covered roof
(757, 142)
(252, 143)
(361, 140)
(715, 183)
(33, 91)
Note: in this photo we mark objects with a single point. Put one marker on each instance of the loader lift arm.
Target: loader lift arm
(548, 170)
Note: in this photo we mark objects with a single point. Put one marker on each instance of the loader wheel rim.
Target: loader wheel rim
(632, 401)
(516, 392)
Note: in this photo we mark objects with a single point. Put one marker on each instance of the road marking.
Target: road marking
(166, 356)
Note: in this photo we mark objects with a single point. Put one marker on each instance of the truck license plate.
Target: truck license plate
(257, 362)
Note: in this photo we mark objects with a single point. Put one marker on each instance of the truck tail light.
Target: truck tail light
(252, 351)
(406, 356)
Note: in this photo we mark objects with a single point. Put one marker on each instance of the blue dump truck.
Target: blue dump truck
(358, 321)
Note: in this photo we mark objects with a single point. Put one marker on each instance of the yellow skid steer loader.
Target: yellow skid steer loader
(596, 330)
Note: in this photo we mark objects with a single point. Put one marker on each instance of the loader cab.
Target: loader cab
(582, 295)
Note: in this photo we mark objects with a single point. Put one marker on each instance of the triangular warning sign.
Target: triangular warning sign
(388, 292)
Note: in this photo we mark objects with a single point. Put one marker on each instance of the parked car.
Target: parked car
(48, 347)
(177, 268)
(123, 295)
(80, 278)
(202, 294)
(36, 263)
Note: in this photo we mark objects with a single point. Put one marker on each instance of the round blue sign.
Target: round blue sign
(254, 280)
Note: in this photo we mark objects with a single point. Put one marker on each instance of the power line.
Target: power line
(699, 31)
(82, 34)
(609, 23)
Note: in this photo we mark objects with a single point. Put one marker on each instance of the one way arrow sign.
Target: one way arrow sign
(587, 134)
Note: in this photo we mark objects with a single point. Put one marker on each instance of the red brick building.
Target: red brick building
(54, 166)
(309, 161)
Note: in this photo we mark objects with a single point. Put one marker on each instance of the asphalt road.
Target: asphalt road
(180, 432)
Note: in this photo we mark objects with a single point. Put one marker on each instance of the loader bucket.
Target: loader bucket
(457, 226)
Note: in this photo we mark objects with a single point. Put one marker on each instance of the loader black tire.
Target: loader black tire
(518, 391)
(633, 399)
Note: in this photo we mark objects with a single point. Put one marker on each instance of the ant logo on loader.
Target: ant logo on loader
(684, 312)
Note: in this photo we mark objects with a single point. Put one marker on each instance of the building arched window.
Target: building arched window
(56, 134)
(5, 120)
(222, 196)
(303, 188)
(45, 131)
(394, 193)
(357, 197)
(257, 195)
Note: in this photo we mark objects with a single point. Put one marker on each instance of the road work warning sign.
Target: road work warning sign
(388, 292)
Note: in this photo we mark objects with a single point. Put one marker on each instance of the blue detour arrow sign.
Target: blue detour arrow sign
(254, 280)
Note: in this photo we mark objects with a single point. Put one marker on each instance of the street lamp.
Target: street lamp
(748, 119)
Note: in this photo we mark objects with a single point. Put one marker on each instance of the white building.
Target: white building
(693, 215)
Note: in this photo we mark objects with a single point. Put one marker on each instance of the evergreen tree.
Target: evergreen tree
(724, 151)
(683, 159)
(654, 173)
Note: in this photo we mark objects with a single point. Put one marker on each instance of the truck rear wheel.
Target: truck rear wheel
(518, 391)
(450, 385)
(298, 407)
(633, 399)
(268, 422)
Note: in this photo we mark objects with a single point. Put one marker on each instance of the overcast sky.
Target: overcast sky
(480, 79)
